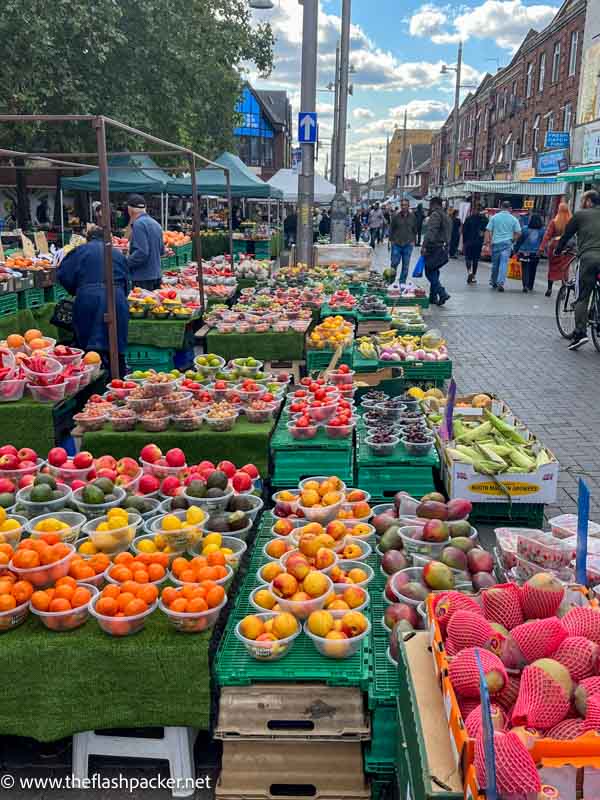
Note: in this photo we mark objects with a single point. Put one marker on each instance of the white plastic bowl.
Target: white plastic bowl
(350, 565)
(95, 510)
(210, 504)
(414, 546)
(192, 622)
(360, 542)
(415, 575)
(13, 537)
(284, 558)
(269, 650)
(224, 581)
(179, 540)
(14, 617)
(121, 537)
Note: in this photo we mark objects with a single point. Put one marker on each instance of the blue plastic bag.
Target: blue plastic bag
(419, 268)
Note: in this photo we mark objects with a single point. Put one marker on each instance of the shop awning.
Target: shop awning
(527, 188)
(127, 174)
(286, 182)
(587, 172)
(211, 181)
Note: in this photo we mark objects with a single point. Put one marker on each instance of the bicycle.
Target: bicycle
(565, 309)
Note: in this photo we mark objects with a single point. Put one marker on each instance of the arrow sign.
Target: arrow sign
(307, 127)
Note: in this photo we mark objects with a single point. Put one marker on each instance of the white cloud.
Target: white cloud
(363, 113)
(428, 21)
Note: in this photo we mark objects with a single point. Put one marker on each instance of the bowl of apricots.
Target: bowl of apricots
(142, 568)
(41, 562)
(321, 498)
(212, 567)
(193, 607)
(121, 609)
(64, 606)
(15, 595)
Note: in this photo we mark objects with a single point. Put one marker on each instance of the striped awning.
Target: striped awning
(526, 188)
(583, 174)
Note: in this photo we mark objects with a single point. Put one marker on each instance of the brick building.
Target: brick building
(414, 136)
(503, 124)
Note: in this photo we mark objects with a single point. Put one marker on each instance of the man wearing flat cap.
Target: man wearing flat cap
(145, 246)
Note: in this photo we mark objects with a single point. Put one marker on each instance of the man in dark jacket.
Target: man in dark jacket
(290, 224)
(146, 245)
(435, 249)
(585, 223)
(419, 216)
(403, 234)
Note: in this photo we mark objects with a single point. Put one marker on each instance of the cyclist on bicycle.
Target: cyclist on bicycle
(585, 223)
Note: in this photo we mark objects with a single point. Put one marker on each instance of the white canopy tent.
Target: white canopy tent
(287, 181)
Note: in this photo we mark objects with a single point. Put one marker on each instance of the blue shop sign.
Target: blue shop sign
(553, 162)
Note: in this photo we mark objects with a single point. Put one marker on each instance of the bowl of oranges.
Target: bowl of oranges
(64, 606)
(268, 636)
(230, 546)
(66, 526)
(89, 569)
(114, 532)
(15, 595)
(193, 608)
(201, 568)
(121, 609)
(40, 562)
(321, 498)
(143, 568)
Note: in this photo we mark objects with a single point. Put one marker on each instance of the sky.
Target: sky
(397, 49)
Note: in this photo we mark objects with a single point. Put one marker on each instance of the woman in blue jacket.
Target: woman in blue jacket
(81, 272)
(527, 247)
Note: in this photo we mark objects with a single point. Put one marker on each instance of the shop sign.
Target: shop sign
(503, 176)
(553, 162)
(591, 144)
(528, 204)
(558, 139)
(465, 153)
(524, 169)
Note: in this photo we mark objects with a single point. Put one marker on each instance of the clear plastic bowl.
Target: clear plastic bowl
(204, 369)
(13, 537)
(324, 412)
(78, 544)
(181, 539)
(565, 525)
(322, 515)
(364, 545)
(340, 378)
(160, 470)
(288, 507)
(302, 434)
(245, 371)
(302, 609)
(382, 449)
(237, 546)
(35, 509)
(154, 511)
(257, 503)
(258, 416)
(384, 508)
(113, 541)
(69, 475)
(195, 622)
(16, 474)
(154, 424)
(14, 617)
(390, 412)
(121, 424)
(12, 389)
(180, 404)
(46, 574)
(338, 648)
(339, 590)
(262, 581)
(339, 431)
(544, 549)
(269, 650)
(289, 542)
(369, 537)
(67, 620)
(48, 394)
(54, 369)
(210, 504)
(190, 423)
(71, 518)
(416, 546)
(109, 578)
(417, 448)
(224, 581)
(135, 545)
(241, 533)
(121, 626)
(89, 424)
(296, 523)
(75, 358)
(255, 394)
(527, 569)
(154, 390)
(414, 575)
(139, 404)
(222, 424)
(349, 565)
(294, 551)
(95, 510)
(261, 588)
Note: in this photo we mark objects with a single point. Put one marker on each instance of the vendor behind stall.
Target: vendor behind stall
(81, 272)
(146, 245)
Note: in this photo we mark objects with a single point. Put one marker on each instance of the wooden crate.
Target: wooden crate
(284, 711)
(370, 326)
(277, 367)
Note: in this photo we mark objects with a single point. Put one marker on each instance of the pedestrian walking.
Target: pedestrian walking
(502, 230)
(435, 250)
(454, 232)
(375, 224)
(325, 224)
(403, 235)
(527, 247)
(290, 224)
(419, 216)
(473, 232)
(558, 265)
(585, 223)
(357, 226)
(146, 245)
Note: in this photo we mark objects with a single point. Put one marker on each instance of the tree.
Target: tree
(172, 68)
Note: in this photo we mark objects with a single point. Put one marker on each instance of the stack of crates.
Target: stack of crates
(296, 459)
(293, 727)
(53, 294)
(9, 304)
(318, 360)
(183, 254)
(143, 357)
(262, 249)
(31, 298)
(239, 247)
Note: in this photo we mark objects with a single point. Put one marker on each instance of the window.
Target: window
(556, 62)
(529, 84)
(542, 72)
(536, 132)
(504, 98)
(486, 119)
(573, 53)
(550, 123)
(567, 117)
(524, 137)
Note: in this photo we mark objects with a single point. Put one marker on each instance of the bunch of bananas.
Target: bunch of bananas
(367, 348)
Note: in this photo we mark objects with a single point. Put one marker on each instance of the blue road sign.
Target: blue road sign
(307, 127)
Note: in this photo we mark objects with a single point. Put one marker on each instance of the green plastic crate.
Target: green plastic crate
(290, 467)
(380, 753)
(31, 298)
(168, 262)
(144, 357)
(530, 515)
(9, 304)
(53, 294)
(383, 482)
(183, 254)
(327, 311)
(317, 360)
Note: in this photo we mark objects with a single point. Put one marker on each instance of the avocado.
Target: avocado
(41, 493)
(237, 521)
(110, 498)
(218, 523)
(57, 495)
(240, 502)
(196, 489)
(217, 480)
(214, 492)
(179, 503)
(7, 499)
(47, 479)
(137, 504)
(93, 495)
(105, 484)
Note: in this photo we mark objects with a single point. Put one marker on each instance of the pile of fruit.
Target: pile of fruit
(371, 305)
(164, 303)
(330, 334)
(252, 269)
(343, 300)
(320, 405)
(388, 346)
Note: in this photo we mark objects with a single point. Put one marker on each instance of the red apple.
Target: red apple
(204, 465)
(107, 473)
(128, 466)
(6, 486)
(227, 467)
(83, 460)
(123, 480)
(57, 456)
(175, 457)
(9, 461)
(27, 465)
(26, 480)
(169, 486)
(8, 450)
(148, 484)
(27, 454)
(106, 462)
(151, 453)
(241, 482)
(251, 470)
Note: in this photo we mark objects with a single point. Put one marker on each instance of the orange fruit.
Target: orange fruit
(120, 573)
(40, 601)
(81, 571)
(179, 564)
(215, 596)
(148, 594)
(38, 344)
(124, 599)
(107, 606)
(141, 576)
(188, 576)
(32, 333)
(111, 591)
(180, 605)
(124, 558)
(169, 593)
(7, 602)
(66, 581)
(196, 605)
(26, 559)
(188, 591)
(22, 591)
(80, 597)
(59, 604)
(156, 572)
(14, 341)
(64, 591)
(136, 606)
(91, 358)
(216, 559)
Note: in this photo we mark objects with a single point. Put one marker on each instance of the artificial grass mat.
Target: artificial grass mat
(270, 346)
(28, 318)
(247, 443)
(171, 333)
(57, 684)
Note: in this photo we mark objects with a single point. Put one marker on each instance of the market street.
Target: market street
(509, 345)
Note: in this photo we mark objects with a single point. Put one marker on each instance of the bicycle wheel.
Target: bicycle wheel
(595, 318)
(565, 310)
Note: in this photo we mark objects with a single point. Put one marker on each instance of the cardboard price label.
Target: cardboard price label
(28, 248)
(41, 242)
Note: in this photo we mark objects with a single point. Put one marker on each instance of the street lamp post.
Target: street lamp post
(456, 69)
(339, 211)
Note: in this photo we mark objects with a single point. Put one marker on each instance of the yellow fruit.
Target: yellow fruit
(2, 515)
(171, 523)
(88, 549)
(116, 522)
(160, 542)
(285, 625)
(147, 546)
(227, 551)
(212, 538)
(416, 393)
(9, 525)
(210, 548)
(106, 542)
(194, 515)
(102, 526)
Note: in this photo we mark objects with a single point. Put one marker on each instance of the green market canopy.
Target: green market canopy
(212, 182)
(127, 174)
